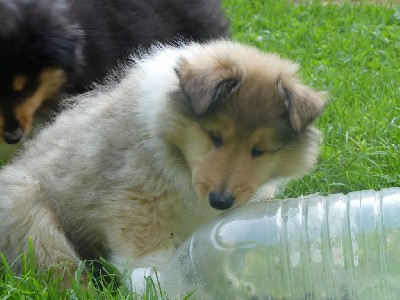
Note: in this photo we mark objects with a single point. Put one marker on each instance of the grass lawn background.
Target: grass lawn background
(351, 50)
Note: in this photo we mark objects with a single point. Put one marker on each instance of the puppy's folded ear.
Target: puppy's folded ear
(303, 103)
(204, 86)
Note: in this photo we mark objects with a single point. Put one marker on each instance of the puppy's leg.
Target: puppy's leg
(26, 215)
(144, 266)
(141, 235)
(50, 245)
(156, 259)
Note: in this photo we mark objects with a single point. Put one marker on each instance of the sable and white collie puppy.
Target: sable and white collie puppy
(138, 164)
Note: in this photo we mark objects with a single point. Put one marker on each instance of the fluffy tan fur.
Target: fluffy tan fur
(139, 164)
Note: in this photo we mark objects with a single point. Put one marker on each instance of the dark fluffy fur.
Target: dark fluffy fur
(85, 39)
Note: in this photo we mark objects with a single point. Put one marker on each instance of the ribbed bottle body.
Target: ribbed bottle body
(333, 247)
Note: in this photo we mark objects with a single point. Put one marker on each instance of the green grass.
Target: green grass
(350, 50)
(34, 283)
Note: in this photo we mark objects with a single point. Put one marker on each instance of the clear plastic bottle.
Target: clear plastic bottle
(333, 247)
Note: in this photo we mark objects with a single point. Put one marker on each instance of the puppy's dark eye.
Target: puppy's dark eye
(255, 152)
(216, 140)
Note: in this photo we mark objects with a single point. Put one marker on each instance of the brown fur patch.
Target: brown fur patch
(147, 230)
(207, 81)
(19, 82)
(50, 81)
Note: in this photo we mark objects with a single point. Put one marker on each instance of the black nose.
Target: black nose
(220, 201)
(13, 136)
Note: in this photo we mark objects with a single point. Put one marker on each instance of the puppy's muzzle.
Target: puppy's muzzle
(221, 201)
(13, 136)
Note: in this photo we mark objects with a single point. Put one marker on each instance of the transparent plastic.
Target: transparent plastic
(333, 247)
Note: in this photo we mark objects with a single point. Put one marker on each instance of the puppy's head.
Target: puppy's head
(37, 52)
(244, 119)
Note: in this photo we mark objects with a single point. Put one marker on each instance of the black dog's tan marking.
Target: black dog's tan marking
(85, 43)
(19, 82)
(50, 82)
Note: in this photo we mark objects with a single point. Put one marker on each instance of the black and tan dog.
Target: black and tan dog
(54, 47)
